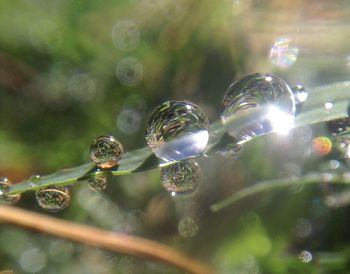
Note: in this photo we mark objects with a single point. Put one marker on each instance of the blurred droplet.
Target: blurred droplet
(126, 35)
(322, 145)
(97, 182)
(129, 71)
(32, 260)
(129, 121)
(53, 198)
(303, 228)
(181, 177)
(177, 130)
(256, 91)
(283, 54)
(333, 164)
(81, 87)
(45, 35)
(106, 151)
(5, 185)
(300, 94)
(340, 129)
(188, 227)
(305, 256)
(61, 251)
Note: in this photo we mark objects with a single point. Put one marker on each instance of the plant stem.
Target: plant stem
(314, 178)
(102, 239)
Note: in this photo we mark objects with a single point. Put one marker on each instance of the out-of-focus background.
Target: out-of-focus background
(74, 70)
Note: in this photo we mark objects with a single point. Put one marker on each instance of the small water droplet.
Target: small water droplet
(328, 106)
(126, 35)
(177, 130)
(53, 198)
(188, 227)
(181, 177)
(340, 129)
(283, 54)
(106, 151)
(5, 185)
(305, 256)
(97, 182)
(300, 94)
(257, 91)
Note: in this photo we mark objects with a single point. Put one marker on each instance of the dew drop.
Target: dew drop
(259, 91)
(177, 130)
(106, 151)
(300, 94)
(181, 177)
(53, 198)
(188, 227)
(97, 182)
(5, 185)
(129, 71)
(305, 256)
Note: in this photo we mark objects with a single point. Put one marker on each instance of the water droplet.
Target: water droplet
(5, 184)
(259, 91)
(283, 54)
(97, 182)
(177, 130)
(328, 106)
(181, 177)
(129, 121)
(303, 228)
(32, 260)
(187, 227)
(300, 94)
(129, 71)
(305, 256)
(106, 151)
(126, 35)
(53, 198)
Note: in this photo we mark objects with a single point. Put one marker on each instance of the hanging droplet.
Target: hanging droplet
(254, 92)
(181, 177)
(187, 227)
(300, 94)
(106, 151)
(97, 182)
(5, 185)
(53, 198)
(177, 130)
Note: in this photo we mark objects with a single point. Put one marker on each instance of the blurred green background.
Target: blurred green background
(74, 70)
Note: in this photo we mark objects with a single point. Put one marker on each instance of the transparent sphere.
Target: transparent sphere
(177, 130)
(97, 182)
(5, 184)
(181, 177)
(53, 198)
(256, 91)
(300, 94)
(106, 151)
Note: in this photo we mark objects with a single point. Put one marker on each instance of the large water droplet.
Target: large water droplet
(5, 185)
(259, 91)
(181, 177)
(177, 130)
(106, 151)
(97, 182)
(53, 198)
